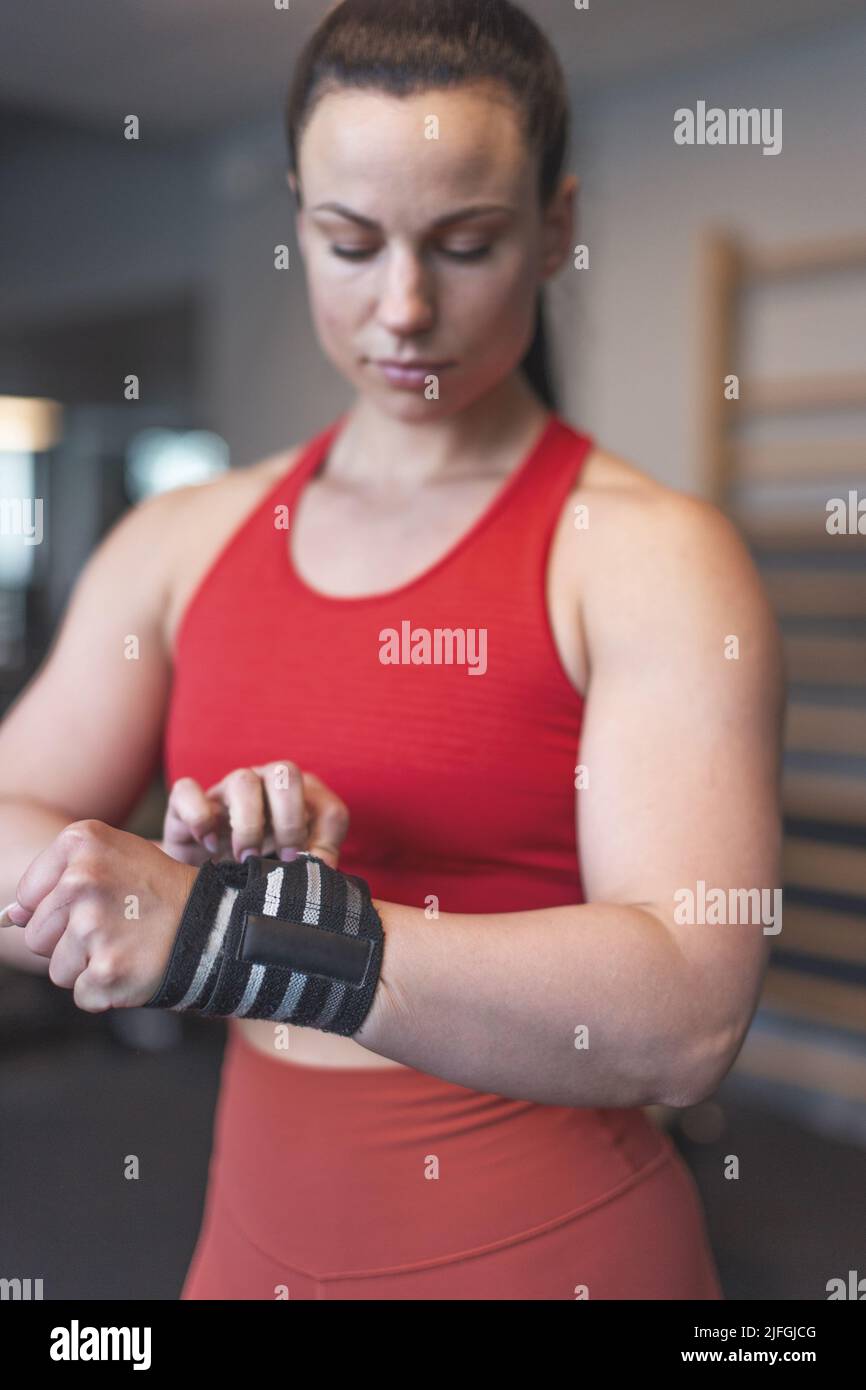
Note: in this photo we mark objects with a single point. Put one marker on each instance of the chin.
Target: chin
(412, 410)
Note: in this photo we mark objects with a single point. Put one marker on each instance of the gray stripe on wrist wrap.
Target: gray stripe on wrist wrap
(298, 943)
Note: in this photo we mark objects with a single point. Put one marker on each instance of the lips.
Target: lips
(415, 366)
(410, 376)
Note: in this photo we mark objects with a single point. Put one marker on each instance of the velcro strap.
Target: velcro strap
(298, 942)
(314, 950)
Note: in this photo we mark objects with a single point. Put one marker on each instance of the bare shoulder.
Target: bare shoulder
(229, 490)
(646, 557)
(660, 529)
(194, 523)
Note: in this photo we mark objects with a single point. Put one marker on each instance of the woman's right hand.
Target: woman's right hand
(273, 810)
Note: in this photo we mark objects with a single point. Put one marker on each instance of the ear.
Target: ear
(559, 226)
(300, 219)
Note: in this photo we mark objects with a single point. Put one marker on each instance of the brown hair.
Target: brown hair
(407, 46)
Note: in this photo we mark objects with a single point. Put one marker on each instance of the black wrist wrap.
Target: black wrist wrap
(295, 943)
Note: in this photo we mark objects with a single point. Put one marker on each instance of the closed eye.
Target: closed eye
(476, 254)
(346, 253)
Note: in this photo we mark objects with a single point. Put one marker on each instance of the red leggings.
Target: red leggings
(371, 1183)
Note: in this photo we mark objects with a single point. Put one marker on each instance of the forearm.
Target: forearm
(26, 828)
(590, 1005)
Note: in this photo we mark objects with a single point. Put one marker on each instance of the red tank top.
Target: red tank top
(458, 775)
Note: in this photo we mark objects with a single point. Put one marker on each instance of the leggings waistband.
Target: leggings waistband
(345, 1170)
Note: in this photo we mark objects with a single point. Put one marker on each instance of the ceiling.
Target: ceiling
(185, 66)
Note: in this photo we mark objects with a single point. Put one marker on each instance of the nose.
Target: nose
(407, 303)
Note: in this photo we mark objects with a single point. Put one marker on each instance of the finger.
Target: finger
(45, 871)
(284, 790)
(14, 915)
(245, 803)
(190, 809)
(177, 834)
(91, 990)
(68, 960)
(50, 919)
(329, 820)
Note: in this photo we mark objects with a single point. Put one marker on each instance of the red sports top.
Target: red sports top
(458, 784)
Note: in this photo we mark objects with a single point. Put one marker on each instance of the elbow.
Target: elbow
(700, 1068)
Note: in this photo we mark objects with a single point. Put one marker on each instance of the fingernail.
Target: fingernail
(10, 914)
(287, 855)
(247, 854)
(211, 843)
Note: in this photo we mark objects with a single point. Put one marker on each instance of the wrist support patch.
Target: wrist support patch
(294, 942)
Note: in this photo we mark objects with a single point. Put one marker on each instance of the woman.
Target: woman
(477, 624)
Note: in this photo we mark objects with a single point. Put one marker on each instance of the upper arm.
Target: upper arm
(84, 734)
(682, 735)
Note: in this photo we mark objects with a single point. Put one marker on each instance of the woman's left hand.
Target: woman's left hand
(105, 907)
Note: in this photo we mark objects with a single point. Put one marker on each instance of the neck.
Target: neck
(376, 451)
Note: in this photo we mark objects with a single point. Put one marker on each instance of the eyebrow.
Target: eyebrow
(477, 210)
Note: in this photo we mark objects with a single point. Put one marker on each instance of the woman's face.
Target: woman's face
(425, 249)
